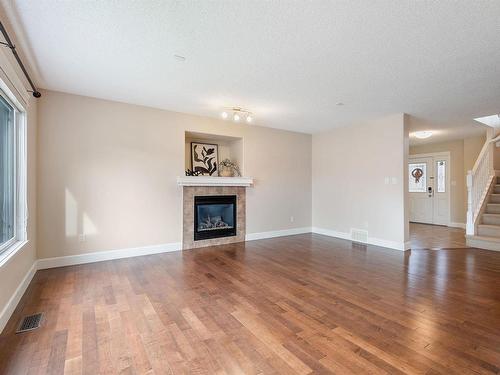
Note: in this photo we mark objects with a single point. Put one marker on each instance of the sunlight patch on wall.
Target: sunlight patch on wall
(88, 225)
(71, 214)
(75, 224)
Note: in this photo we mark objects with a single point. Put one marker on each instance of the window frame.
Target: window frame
(445, 161)
(20, 178)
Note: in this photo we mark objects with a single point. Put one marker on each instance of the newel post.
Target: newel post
(469, 229)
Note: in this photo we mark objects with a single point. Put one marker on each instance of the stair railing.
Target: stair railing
(478, 182)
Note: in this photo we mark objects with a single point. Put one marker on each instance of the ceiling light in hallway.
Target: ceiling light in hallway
(423, 134)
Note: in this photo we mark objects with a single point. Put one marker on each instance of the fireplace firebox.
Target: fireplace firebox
(214, 216)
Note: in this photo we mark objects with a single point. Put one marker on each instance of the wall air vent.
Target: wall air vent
(359, 235)
(30, 323)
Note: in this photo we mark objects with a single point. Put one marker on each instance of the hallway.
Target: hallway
(435, 237)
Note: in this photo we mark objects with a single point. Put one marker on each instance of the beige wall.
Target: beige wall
(463, 154)
(472, 148)
(351, 166)
(109, 170)
(16, 268)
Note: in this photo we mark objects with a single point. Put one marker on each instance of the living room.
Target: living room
(249, 187)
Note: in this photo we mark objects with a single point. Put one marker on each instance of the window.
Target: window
(417, 177)
(12, 174)
(7, 172)
(441, 176)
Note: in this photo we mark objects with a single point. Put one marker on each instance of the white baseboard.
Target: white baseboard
(277, 233)
(332, 233)
(100, 256)
(401, 246)
(371, 240)
(457, 225)
(16, 297)
(482, 243)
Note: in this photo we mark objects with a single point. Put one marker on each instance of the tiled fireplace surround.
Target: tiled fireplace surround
(189, 192)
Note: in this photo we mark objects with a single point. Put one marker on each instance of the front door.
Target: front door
(428, 187)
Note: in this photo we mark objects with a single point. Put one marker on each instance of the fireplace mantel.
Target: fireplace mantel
(214, 181)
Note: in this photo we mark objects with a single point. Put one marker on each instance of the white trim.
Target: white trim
(486, 243)
(277, 233)
(20, 176)
(16, 297)
(214, 181)
(401, 246)
(100, 256)
(12, 250)
(440, 154)
(10, 81)
(332, 233)
(457, 225)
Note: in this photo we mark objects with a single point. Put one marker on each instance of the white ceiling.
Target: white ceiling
(288, 62)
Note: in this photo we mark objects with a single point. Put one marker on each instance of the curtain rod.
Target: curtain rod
(12, 47)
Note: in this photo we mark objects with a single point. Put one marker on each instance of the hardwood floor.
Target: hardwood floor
(292, 305)
(436, 237)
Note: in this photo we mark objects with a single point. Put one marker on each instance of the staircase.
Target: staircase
(483, 196)
(488, 222)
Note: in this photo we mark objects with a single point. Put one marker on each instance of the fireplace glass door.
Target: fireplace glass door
(214, 216)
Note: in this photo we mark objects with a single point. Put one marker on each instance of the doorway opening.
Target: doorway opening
(429, 188)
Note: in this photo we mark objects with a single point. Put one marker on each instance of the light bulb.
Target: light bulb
(236, 117)
(224, 115)
(249, 119)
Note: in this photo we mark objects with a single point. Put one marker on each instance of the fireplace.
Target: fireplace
(205, 196)
(214, 216)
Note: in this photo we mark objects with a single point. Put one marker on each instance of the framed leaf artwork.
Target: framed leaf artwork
(205, 158)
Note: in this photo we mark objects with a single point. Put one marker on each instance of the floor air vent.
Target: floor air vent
(30, 323)
(359, 235)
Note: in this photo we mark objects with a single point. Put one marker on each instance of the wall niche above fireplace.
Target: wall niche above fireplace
(227, 148)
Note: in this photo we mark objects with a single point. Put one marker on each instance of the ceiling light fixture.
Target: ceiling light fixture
(423, 134)
(493, 120)
(238, 113)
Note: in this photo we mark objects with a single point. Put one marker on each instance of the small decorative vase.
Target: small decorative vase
(226, 172)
